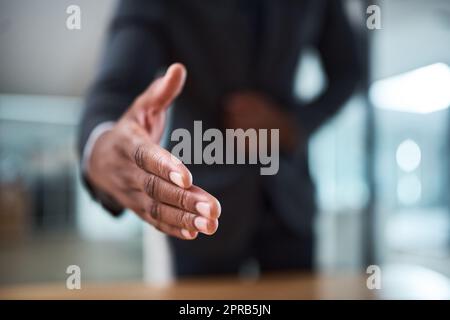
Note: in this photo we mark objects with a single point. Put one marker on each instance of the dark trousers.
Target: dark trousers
(272, 245)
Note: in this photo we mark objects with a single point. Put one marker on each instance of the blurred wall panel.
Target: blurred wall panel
(36, 45)
(414, 33)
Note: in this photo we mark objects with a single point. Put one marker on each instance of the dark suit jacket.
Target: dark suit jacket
(217, 42)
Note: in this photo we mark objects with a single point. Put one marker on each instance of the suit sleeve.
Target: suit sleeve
(337, 47)
(135, 51)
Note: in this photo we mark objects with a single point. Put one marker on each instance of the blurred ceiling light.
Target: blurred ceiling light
(423, 90)
(408, 155)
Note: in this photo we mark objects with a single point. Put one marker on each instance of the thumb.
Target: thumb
(164, 90)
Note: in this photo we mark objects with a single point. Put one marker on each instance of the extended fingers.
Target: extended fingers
(167, 218)
(155, 160)
(193, 199)
(181, 219)
(175, 232)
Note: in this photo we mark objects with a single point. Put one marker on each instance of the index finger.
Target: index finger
(156, 160)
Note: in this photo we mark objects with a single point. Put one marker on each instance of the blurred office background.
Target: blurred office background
(380, 166)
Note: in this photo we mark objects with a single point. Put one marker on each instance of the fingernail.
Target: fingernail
(219, 208)
(190, 179)
(176, 178)
(201, 224)
(188, 234)
(203, 208)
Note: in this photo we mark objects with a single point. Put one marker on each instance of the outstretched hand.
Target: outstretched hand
(128, 163)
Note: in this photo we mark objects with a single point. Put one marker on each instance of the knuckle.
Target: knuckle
(179, 218)
(183, 220)
(155, 211)
(159, 163)
(187, 222)
(139, 156)
(150, 185)
(181, 196)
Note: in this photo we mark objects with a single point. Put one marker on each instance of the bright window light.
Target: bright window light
(423, 90)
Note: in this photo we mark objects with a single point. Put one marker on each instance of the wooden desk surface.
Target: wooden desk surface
(294, 286)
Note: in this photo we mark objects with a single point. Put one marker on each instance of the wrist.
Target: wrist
(89, 167)
(95, 135)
